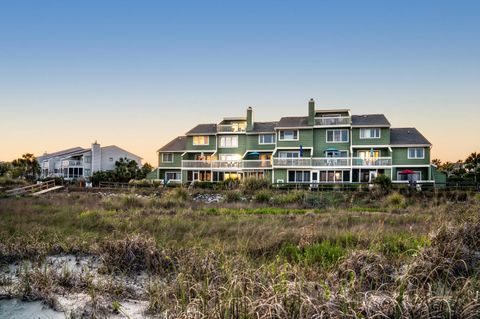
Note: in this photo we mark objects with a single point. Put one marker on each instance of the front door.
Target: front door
(315, 178)
(195, 176)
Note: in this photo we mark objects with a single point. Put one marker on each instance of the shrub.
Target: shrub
(325, 253)
(384, 182)
(203, 185)
(173, 198)
(232, 196)
(263, 196)
(292, 197)
(252, 184)
(395, 200)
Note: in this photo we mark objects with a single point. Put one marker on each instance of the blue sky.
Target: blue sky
(139, 73)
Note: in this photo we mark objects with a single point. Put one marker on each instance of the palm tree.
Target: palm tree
(473, 163)
(437, 162)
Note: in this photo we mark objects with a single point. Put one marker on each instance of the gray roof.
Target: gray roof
(298, 121)
(203, 129)
(66, 152)
(369, 120)
(264, 126)
(178, 144)
(407, 136)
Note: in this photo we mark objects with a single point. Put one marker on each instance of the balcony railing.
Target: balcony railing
(334, 120)
(227, 164)
(231, 128)
(71, 163)
(292, 162)
(331, 161)
(196, 164)
(373, 161)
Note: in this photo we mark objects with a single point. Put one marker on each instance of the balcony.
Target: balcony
(333, 121)
(373, 161)
(232, 128)
(68, 163)
(291, 162)
(226, 164)
(331, 161)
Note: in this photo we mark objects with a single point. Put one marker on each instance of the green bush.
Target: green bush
(292, 197)
(325, 253)
(384, 182)
(263, 196)
(232, 196)
(395, 200)
(252, 184)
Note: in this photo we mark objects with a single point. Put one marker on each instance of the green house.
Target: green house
(325, 146)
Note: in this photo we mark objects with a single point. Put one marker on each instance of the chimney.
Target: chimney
(249, 118)
(96, 157)
(311, 112)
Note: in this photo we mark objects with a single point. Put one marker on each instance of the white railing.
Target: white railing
(71, 163)
(331, 161)
(292, 162)
(373, 161)
(197, 164)
(231, 128)
(334, 120)
(227, 164)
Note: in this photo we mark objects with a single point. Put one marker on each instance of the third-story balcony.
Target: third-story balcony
(232, 128)
(67, 163)
(333, 121)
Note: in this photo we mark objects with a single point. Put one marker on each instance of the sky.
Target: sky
(139, 73)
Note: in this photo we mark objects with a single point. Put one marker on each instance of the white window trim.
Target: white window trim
(348, 136)
(227, 136)
(420, 175)
(163, 157)
(408, 153)
(287, 140)
(299, 170)
(172, 172)
(261, 143)
(205, 137)
(370, 128)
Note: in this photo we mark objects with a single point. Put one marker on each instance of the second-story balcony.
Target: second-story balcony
(372, 161)
(292, 162)
(67, 163)
(332, 162)
(333, 121)
(226, 164)
(232, 128)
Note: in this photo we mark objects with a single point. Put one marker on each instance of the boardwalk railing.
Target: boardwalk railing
(30, 188)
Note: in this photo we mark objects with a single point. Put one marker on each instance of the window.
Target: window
(298, 176)
(87, 159)
(337, 136)
(288, 154)
(288, 135)
(230, 157)
(176, 176)
(266, 139)
(167, 158)
(200, 140)
(111, 159)
(416, 153)
(230, 141)
(369, 133)
(413, 177)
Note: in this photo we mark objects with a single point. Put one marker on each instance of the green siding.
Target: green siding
(320, 143)
(305, 138)
(439, 177)
(177, 160)
(400, 157)
(211, 146)
(424, 170)
(384, 152)
(383, 140)
(252, 144)
(280, 174)
(242, 145)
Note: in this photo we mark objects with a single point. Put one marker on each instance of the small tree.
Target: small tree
(27, 167)
(5, 168)
(473, 163)
(384, 182)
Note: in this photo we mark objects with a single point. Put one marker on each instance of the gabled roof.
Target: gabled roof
(203, 129)
(407, 136)
(370, 120)
(119, 148)
(66, 152)
(178, 144)
(297, 121)
(264, 126)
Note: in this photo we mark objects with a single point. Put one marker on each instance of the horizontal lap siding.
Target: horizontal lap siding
(252, 144)
(305, 138)
(320, 143)
(177, 160)
(383, 140)
(400, 157)
(242, 145)
(211, 144)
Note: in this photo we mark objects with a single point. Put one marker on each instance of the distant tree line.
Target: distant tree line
(466, 171)
(25, 167)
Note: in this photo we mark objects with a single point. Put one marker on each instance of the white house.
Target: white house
(81, 163)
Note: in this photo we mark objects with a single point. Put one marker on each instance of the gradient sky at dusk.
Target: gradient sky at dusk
(138, 73)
